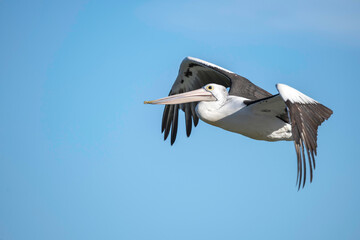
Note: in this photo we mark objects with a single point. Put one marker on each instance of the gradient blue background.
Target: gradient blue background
(81, 156)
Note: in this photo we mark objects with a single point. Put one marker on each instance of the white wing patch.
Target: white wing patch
(293, 95)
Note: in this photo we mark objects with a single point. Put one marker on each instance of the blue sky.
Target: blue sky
(81, 156)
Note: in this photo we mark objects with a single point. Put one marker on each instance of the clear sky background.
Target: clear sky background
(81, 156)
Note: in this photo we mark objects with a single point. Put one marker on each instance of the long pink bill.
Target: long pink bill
(192, 96)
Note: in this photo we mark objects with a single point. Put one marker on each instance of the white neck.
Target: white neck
(208, 111)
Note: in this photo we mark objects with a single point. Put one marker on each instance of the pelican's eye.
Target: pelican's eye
(210, 88)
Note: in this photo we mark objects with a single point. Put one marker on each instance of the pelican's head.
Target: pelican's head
(210, 92)
(218, 91)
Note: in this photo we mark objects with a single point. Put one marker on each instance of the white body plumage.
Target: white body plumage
(232, 114)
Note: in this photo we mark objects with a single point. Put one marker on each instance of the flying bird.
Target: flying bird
(201, 91)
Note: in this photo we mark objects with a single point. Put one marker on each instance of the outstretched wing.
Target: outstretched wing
(306, 115)
(194, 74)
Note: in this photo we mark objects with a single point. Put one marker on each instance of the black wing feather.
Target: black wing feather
(305, 120)
(174, 124)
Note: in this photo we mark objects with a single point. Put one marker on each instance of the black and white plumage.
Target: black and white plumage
(246, 109)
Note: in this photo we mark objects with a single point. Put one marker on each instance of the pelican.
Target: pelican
(201, 91)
